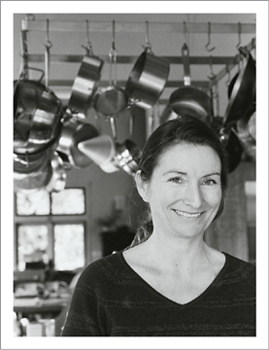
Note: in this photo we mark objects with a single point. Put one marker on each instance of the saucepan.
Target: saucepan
(37, 117)
(243, 90)
(112, 100)
(189, 100)
(86, 82)
(147, 79)
(74, 131)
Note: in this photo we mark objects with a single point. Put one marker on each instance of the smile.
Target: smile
(188, 215)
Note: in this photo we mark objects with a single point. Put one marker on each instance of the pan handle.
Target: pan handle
(186, 64)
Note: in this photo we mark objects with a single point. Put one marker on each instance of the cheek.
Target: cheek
(213, 198)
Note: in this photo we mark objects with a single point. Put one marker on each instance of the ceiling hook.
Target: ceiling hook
(209, 39)
(239, 35)
(147, 46)
(185, 31)
(48, 43)
(88, 46)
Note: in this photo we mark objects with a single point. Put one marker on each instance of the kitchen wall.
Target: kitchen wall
(103, 188)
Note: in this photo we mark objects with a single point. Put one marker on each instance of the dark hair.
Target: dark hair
(185, 129)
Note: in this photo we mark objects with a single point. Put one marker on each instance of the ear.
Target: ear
(142, 186)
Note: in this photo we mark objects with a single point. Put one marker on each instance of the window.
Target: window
(70, 201)
(51, 227)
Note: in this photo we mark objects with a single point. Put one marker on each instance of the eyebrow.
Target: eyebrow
(182, 173)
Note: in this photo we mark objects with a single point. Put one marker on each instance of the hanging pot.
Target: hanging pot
(85, 84)
(37, 117)
(243, 92)
(112, 100)
(147, 79)
(75, 130)
(188, 100)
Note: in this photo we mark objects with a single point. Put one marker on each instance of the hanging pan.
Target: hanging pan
(74, 131)
(148, 77)
(188, 100)
(86, 82)
(110, 101)
(243, 91)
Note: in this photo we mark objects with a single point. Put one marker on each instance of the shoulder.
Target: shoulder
(239, 271)
(107, 268)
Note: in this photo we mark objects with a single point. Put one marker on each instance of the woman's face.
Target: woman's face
(184, 191)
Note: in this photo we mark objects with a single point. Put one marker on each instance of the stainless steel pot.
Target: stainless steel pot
(37, 117)
(85, 84)
(188, 100)
(74, 131)
(147, 79)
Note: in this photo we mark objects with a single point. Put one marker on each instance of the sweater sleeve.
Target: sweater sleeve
(84, 314)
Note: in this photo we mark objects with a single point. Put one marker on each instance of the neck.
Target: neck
(180, 255)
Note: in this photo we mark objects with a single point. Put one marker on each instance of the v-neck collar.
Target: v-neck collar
(168, 300)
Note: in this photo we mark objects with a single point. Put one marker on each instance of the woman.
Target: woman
(170, 282)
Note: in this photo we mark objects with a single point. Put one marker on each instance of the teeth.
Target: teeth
(187, 215)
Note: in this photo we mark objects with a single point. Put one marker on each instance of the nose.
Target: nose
(193, 196)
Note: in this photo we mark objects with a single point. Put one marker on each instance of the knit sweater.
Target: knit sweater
(111, 299)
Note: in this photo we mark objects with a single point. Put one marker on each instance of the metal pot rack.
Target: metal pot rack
(29, 24)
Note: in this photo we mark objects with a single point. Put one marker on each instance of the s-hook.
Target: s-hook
(209, 49)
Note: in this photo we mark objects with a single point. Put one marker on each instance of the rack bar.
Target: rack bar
(105, 83)
(197, 60)
(137, 27)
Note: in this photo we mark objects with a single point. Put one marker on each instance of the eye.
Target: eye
(209, 182)
(177, 180)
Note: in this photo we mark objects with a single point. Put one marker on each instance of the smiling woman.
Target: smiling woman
(169, 282)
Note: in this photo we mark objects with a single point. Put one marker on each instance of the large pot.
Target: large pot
(188, 100)
(243, 91)
(147, 79)
(74, 131)
(85, 84)
(37, 117)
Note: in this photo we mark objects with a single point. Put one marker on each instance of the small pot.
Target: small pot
(85, 84)
(73, 132)
(147, 79)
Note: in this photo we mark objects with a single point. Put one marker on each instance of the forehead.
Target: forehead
(185, 156)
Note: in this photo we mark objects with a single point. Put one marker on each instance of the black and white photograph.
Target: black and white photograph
(134, 175)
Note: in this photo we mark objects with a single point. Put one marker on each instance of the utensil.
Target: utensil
(87, 80)
(148, 78)
(74, 131)
(243, 92)
(110, 101)
(37, 116)
(188, 100)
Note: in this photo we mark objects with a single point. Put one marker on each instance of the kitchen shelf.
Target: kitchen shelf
(137, 27)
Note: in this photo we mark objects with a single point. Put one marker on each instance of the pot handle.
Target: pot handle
(186, 64)
(21, 77)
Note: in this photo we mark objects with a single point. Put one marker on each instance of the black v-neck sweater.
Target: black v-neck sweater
(111, 299)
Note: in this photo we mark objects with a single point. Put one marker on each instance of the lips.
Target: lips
(188, 215)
